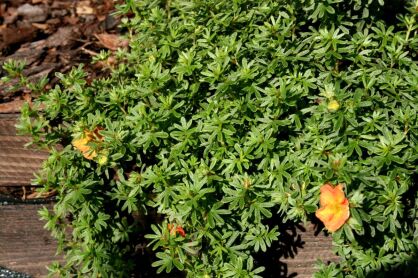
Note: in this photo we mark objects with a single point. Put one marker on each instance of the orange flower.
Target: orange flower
(176, 229)
(334, 210)
(82, 143)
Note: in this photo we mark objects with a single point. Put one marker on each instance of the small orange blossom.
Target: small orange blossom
(82, 143)
(176, 229)
(334, 210)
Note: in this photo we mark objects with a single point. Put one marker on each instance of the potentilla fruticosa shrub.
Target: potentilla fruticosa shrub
(225, 114)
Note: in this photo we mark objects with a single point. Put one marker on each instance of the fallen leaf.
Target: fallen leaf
(41, 26)
(28, 98)
(38, 195)
(106, 64)
(101, 17)
(81, 145)
(111, 41)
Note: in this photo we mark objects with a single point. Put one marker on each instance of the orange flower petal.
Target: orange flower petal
(334, 210)
(174, 230)
(171, 229)
(82, 143)
(181, 231)
(90, 154)
(331, 195)
(82, 146)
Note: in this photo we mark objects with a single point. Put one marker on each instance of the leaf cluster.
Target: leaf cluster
(219, 117)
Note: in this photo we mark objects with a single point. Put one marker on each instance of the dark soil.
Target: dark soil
(18, 195)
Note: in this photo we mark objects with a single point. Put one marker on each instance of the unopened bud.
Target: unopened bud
(333, 105)
(102, 160)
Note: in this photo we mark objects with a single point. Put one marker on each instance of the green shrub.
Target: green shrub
(225, 113)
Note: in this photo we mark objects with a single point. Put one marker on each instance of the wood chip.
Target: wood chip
(10, 16)
(29, 53)
(84, 8)
(12, 36)
(72, 20)
(32, 13)
(40, 26)
(64, 36)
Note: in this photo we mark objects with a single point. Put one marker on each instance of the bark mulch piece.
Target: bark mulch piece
(51, 36)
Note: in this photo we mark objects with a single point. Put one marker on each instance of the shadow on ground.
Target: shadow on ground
(287, 247)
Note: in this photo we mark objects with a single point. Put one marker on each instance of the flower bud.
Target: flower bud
(333, 105)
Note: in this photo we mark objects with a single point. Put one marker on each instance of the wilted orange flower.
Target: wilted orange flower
(82, 143)
(176, 229)
(334, 210)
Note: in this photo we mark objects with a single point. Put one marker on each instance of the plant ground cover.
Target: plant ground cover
(48, 36)
(222, 115)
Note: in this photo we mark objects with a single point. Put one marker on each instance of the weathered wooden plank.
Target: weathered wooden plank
(17, 163)
(24, 245)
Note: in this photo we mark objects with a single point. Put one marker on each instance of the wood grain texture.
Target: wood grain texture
(315, 246)
(24, 245)
(17, 163)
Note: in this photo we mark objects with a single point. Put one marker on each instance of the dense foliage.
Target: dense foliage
(223, 114)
